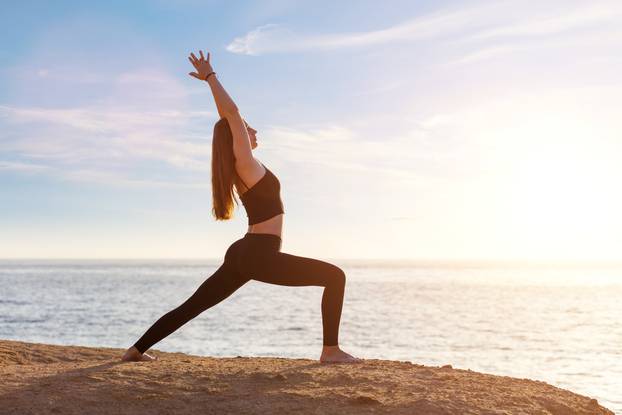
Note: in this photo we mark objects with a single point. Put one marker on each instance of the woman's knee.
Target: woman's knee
(337, 276)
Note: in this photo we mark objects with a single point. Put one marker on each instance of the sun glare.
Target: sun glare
(559, 184)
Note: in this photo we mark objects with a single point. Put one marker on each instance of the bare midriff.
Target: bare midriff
(273, 226)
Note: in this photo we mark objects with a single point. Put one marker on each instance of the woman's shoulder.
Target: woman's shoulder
(251, 172)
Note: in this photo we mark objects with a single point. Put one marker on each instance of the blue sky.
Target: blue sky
(417, 130)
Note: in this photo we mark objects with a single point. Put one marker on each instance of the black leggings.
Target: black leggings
(257, 256)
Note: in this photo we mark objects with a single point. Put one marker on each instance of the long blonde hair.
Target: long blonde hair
(224, 174)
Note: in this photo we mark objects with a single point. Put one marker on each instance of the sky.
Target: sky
(428, 130)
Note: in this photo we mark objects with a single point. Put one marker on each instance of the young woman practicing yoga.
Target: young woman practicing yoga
(257, 255)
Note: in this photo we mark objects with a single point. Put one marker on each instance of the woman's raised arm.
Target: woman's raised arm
(226, 108)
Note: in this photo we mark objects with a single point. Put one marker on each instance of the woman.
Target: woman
(258, 254)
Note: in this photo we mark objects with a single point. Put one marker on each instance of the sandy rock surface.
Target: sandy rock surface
(38, 378)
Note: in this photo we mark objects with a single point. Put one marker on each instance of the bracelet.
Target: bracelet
(211, 73)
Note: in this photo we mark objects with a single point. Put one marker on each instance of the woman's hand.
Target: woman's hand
(202, 66)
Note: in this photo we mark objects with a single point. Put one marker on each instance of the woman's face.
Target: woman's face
(252, 134)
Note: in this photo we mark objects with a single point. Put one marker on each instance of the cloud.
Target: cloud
(386, 87)
(584, 16)
(116, 179)
(22, 167)
(408, 156)
(598, 46)
(98, 107)
(101, 120)
(107, 145)
(120, 111)
(97, 176)
(481, 22)
(486, 53)
(271, 38)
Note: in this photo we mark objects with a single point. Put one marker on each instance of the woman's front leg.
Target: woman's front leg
(292, 270)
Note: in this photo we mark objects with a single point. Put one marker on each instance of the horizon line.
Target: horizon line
(409, 261)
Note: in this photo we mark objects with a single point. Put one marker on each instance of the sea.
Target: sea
(557, 323)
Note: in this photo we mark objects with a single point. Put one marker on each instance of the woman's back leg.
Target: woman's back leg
(220, 285)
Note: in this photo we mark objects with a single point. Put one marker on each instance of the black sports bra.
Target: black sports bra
(263, 200)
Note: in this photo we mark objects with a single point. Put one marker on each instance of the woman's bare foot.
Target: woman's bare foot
(333, 354)
(133, 355)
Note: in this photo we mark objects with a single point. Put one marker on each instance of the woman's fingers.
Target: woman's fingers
(196, 61)
(196, 75)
